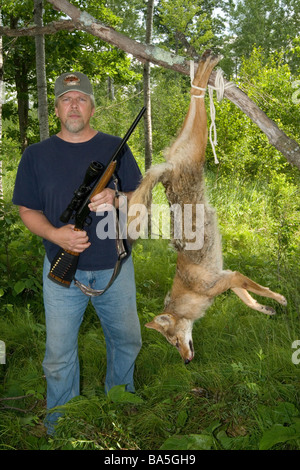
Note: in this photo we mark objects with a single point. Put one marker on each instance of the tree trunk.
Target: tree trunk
(1, 102)
(21, 81)
(41, 72)
(147, 89)
(110, 88)
(22, 98)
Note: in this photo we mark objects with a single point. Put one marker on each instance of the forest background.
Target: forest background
(242, 389)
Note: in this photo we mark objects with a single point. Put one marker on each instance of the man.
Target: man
(49, 173)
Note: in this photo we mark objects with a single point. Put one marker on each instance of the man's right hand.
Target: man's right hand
(72, 240)
(65, 237)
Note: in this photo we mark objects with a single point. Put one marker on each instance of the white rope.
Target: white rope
(192, 72)
(198, 88)
(220, 87)
(213, 140)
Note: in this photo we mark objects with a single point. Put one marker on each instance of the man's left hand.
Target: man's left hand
(103, 201)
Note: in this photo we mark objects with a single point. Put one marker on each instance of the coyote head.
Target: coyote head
(177, 331)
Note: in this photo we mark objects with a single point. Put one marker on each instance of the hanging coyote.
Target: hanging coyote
(199, 273)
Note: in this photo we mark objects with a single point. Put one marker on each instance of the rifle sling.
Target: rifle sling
(122, 253)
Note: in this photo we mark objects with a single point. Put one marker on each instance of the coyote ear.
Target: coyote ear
(163, 320)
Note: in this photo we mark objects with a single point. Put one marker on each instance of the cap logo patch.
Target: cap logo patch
(71, 80)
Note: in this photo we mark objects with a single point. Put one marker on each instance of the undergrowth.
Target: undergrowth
(241, 391)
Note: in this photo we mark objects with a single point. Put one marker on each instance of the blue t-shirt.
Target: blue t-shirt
(50, 171)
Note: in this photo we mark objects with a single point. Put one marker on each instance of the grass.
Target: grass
(241, 391)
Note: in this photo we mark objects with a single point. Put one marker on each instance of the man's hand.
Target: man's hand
(103, 201)
(72, 240)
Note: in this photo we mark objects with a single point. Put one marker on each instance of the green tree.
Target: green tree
(131, 15)
(185, 26)
(269, 24)
(1, 103)
(64, 51)
(19, 60)
(41, 72)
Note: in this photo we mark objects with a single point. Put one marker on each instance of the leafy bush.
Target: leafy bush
(21, 255)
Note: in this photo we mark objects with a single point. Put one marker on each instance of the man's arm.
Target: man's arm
(65, 237)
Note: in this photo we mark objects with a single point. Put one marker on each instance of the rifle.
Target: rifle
(64, 265)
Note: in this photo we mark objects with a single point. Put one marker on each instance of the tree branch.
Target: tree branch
(50, 28)
(16, 398)
(6, 407)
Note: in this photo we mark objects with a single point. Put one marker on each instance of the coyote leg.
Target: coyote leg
(240, 284)
(252, 303)
(239, 280)
(190, 143)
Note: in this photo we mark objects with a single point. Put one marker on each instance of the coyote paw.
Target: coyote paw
(282, 300)
(267, 310)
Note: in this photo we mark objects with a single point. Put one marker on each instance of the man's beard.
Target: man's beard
(74, 126)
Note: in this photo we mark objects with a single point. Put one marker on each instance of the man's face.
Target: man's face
(74, 109)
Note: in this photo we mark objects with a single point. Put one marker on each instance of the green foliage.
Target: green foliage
(242, 389)
(243, 150)
(64, 52)
(240, 392)
(17, 247)
(118, 394)
(189, 442)
(188, 24)
(283, 423)
(269, 24)
(168, 115)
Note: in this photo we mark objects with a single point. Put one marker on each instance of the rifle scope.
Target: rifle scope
(93, 171)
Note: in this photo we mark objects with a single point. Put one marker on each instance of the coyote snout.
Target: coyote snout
(178, 331)
(199, 273)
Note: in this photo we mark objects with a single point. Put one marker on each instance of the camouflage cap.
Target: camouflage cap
(72, 81)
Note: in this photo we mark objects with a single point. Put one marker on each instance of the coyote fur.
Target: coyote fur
(199, 273)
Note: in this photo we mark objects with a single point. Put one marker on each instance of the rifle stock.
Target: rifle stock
(64, 265)
(104, 180)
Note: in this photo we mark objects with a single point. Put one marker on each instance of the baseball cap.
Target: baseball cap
(72, 81)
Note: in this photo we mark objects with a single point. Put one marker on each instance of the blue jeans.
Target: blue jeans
(64, 311)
